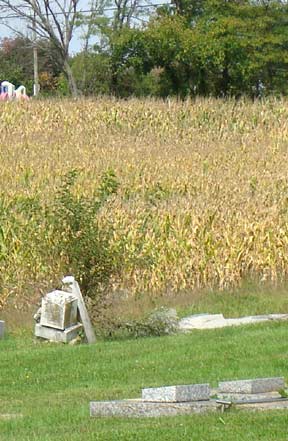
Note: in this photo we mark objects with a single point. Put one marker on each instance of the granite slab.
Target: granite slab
(179, 393)
(139, 408)
(253, 386)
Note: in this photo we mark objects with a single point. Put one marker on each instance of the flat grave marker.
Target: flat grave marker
(181, 393)
(139, 408)
(253, 386)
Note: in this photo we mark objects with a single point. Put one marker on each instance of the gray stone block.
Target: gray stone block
(140, 408)
(248, 397)
(59, 310)
(56, 334)
(189, 392)
(2, 328)
(255, 386)
(277, 405)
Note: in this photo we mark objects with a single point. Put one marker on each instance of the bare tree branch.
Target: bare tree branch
(52, 20)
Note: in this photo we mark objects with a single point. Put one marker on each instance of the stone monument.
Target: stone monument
(58, 317)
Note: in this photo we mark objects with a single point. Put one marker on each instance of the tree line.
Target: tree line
(185, 48)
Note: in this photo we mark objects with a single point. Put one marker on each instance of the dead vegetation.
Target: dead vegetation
(201, 197)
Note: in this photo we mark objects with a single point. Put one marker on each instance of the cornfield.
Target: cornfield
(201, 200)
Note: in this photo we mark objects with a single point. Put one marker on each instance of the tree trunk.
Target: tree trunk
(71, 79)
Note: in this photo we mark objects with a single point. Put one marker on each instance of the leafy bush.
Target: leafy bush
(162, 321)
(83, 247)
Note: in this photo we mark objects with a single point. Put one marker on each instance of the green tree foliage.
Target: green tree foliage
(225, 48)
(190, 47)
(17, 63)
(92, 73)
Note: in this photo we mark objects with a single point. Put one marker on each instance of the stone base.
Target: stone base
(2, 328)
(247, 397)
(139, 408)
(273, 405)
(256, 386)
(57, 335)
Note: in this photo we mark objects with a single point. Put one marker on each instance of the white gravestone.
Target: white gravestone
(59, 310)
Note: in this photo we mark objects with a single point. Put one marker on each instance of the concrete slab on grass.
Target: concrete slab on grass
(277, 405)
(246, 397)
(214, 321)
(140, 408)
(255, 386)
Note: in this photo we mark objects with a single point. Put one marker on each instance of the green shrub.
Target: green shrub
(82, 245)
(162, 321)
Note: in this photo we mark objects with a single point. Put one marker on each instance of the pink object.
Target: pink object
(24, 97)
(4, 96)
(8, 92)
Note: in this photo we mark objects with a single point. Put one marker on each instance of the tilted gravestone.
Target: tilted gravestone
(58, 317)
(58, 310)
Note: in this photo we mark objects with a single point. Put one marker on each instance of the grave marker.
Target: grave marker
(57, 319)
(139, 408)
(181, 393)
(58, 310)
(255, 386)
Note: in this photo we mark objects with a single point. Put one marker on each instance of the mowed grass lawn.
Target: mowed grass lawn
(45, 388)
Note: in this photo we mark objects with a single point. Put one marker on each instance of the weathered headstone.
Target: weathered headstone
(57, 317)
(180, 393)
(2, 328)
(255, 386)
(58, 310)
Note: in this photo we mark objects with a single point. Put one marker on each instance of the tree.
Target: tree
(108, 28)
(51, 20)
(229, 49)
(92, 73)
(17, 64)
(125, 11)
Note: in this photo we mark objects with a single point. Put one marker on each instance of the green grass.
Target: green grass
(250, 298)
(50, 386)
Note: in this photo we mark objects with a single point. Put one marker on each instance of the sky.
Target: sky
(19, 25)
(76, 43)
